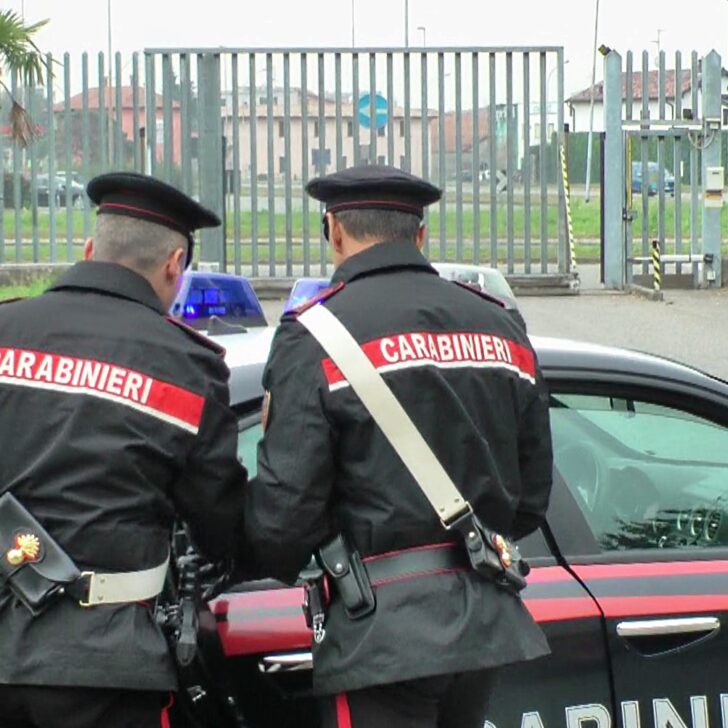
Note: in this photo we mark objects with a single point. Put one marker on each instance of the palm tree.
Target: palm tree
(20, 54)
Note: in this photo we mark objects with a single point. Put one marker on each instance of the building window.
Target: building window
(381, 159)
(316, 129)
(349, 128)
(281, 165)
(320, 158)
(401, 128)
(343, 162)
(725, 117)
(281, 129)
(382, 131)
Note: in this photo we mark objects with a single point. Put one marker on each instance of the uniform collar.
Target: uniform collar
(381, 257)
(112, 279)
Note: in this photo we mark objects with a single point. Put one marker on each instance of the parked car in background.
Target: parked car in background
(653, 179)
(480, 277)
(77, 190)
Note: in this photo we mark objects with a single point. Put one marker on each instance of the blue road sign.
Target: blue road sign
(381, 108)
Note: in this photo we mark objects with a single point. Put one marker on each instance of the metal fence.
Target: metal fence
(243, 130)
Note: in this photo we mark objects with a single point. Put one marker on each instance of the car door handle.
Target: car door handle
(660, 627)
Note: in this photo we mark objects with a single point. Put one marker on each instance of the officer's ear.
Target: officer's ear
(421, 235)
(176, 263)
(335, 233)
(88, 249)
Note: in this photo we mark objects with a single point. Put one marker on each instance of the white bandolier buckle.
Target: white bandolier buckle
(124, 587)
(453, 520)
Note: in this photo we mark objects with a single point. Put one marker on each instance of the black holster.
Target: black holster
(344, 567)
(37, 581)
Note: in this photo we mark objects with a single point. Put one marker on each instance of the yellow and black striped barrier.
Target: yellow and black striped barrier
(656, 266)
(567, 200)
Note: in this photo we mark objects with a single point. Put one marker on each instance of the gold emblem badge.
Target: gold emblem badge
(27, 548)
(504, 553)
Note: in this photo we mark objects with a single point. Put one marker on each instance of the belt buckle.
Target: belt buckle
(86, 603)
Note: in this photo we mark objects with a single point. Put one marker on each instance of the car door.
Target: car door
(534, 695)
(571, 686)
(648, 467)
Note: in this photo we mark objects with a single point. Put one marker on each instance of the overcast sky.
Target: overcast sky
(79, 25)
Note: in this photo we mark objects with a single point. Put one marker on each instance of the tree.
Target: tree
(20, 54)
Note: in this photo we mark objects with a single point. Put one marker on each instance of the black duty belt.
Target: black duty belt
(415, 562)
(38, 571)
(355, 579)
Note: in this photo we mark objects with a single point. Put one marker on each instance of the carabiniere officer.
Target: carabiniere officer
(424, 648)
(114, 419)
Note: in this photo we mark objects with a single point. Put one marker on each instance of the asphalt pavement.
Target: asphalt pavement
(688, 326)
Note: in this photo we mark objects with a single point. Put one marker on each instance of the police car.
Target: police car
(489, 280)
(629, 575)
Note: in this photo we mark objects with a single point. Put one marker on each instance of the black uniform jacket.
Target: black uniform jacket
(464, 371)
(111, 420)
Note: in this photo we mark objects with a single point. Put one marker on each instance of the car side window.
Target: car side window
(249, 435)
(643, 474)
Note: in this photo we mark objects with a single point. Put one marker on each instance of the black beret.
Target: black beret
(373, 187)
(147, 198)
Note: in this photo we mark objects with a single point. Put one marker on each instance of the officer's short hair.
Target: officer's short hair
(139, 244)
(389, 225)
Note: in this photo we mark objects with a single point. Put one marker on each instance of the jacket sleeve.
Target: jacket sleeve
(535, 459)
(286, 505)
(209, 497)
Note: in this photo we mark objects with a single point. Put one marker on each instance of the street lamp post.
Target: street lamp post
(424, 35)
(406, 23)
(353, 26)
(110, 92)
(591, 104)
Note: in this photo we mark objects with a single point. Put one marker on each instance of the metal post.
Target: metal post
(656, 267)
(211, 162)
(614, 254)
(711, 158)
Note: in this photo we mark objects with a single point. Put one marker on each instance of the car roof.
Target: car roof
(556, 354)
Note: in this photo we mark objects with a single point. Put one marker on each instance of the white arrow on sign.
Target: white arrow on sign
(501, 181)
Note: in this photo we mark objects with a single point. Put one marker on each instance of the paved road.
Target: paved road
(689, 326)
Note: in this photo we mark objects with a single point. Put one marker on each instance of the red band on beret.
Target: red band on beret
(352, 204)
(164, 220)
